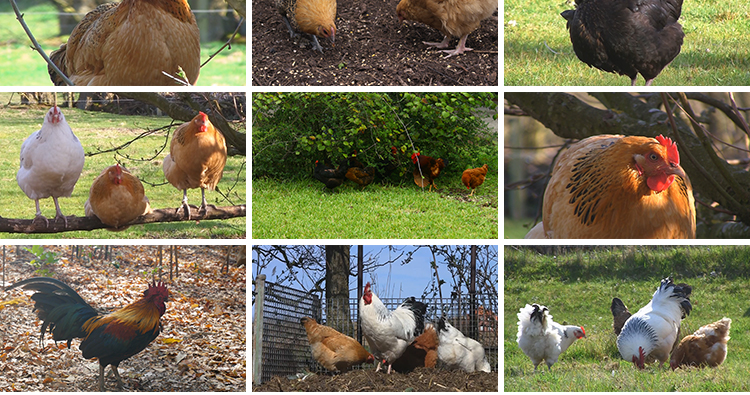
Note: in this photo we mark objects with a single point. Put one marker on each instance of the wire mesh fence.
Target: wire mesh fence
(285, 350)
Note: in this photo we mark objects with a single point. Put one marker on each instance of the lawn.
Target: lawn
(716, 48)
(578, 287)
(301, 209)
(99, 131)
(226, 69)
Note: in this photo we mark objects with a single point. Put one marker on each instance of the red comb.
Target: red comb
(672, 154)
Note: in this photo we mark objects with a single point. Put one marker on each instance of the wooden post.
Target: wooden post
(360, 266)
(257, 344)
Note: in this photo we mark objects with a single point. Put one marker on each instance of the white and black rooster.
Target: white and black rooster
(542, 339)
(650, 334)
(457, 351)
(51, 162)
(388, 333)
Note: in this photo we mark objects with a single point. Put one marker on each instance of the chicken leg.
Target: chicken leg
(101, 377)
(443, 44)
(185, 204)
(461, 48)
(59, 213)
(39, 213)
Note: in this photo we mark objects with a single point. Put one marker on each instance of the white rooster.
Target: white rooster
(650, 334)
(457, 351)
(388, 333)
(542, 339)
(51, 162)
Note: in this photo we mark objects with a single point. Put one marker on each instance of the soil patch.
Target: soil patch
(371, 48)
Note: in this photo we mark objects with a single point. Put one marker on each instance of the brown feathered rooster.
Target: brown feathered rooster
(426, 170)
(197, 155)
(116, 197)
(314, 17)
(111, 338)
(622, 187)
(131, 43)
(706, 347)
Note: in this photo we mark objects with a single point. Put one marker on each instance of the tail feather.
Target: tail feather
(620, 315)
(59, 307)
(419, 309)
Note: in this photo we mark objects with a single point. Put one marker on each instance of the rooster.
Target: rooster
(706, 347)
(457, 351)
(621, 187)
(651, 333)
(452, 17)
(196, 159)
(426, 170)
(473, 178)
(131, 43)
(333, 350)
(51, 162)
(111, 338)
(329, 176)
(542, 339)
(388, 333)
(116, 197)
(620, 315)
(423, 351)
(313, 17)
(626, 37)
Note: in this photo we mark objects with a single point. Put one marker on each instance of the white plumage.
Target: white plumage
(388, 333)
(457, 351)
(51, 162)
(650, 334)
(542, 339)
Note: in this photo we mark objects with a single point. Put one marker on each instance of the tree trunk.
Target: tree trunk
(337, 289)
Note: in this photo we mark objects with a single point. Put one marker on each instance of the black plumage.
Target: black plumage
(627, 37)
(331, 177)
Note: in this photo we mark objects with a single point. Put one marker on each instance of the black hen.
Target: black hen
(626, 37)
(331, 177)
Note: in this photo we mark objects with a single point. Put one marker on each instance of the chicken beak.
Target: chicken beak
(676, 170)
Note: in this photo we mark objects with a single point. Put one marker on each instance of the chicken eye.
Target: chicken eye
(653, 157)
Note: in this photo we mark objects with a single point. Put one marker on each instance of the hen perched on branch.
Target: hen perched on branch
(116, 197)
(111, 338)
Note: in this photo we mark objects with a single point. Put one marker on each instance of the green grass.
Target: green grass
(302, 210)
(98, 131)
(227, 69)
(578, 288)
(716, 49)
(516, 228)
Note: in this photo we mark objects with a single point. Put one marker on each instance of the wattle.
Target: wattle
(660, 182)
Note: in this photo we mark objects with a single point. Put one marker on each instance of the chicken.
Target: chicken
(706, 347)
(423, 351)
(131, 43)
(51, 162)
(452, 17)
(388, 333)
(333, 350)
(651, 333)
(111, 338)
(626, 37)
(361, 176)
(457, 351)
(473, 178)
(196, 159)
(329, 176)
(622, 187)
(426, 170)
(540, 338)
(116, 197)
(314, 17)
(620, 315)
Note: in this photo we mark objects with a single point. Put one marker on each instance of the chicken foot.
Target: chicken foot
(59, 213)
(101, 377)
(185, 204)
(443, 44)
(461, 48)
(39, 214)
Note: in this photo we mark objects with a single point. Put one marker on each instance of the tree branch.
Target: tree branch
(11, 225)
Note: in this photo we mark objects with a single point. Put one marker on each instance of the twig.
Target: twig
(551, 50)
(226, 44)
(38, 47)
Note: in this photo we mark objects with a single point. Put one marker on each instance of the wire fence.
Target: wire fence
(283, 347)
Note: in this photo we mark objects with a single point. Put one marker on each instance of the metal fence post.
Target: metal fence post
(257, 346)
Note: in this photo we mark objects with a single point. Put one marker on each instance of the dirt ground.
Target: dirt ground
(371, 48)
(420, 380)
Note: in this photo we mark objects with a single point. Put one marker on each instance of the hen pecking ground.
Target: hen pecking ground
(371, 48)
(366, 380)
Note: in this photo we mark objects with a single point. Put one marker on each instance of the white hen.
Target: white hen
(650, 334)
(457, 351)
(388, 333)
(51, 162)
(542, 339)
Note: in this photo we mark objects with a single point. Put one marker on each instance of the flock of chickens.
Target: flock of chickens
(426, 170)
(52, 160)
(398, 339)
(650, 335)
(454, 18)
